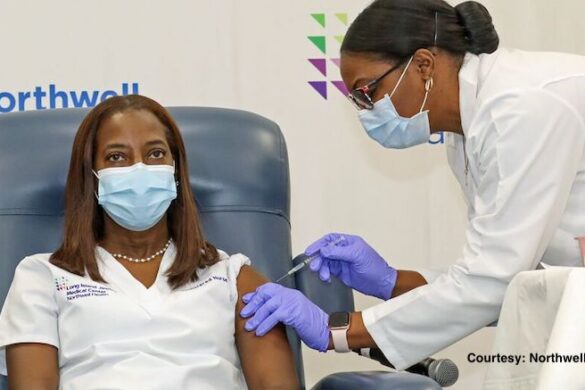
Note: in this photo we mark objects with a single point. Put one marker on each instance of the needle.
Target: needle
(303, 263)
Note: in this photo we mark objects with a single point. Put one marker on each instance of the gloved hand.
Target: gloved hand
(354, 262)
(273, 303)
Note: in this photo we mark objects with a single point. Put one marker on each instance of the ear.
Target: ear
(424, 63)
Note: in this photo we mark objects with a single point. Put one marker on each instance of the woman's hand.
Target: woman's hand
(273, 303)
(354, 262)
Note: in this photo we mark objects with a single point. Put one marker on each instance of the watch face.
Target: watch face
(339, 320)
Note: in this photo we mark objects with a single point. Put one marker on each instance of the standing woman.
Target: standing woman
(515, 128)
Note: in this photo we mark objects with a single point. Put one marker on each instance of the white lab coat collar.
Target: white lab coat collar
(469, 82)
(468, 86)
(472, 75)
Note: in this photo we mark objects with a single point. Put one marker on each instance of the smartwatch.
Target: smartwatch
(338, 326)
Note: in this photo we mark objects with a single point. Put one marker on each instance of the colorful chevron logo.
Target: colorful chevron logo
(326, 67)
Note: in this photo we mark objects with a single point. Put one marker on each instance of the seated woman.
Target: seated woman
(135, 298)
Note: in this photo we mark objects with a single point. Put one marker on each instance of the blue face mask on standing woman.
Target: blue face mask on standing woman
(389, 129)
(138, 196)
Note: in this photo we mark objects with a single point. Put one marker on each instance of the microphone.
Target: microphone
(442, 371)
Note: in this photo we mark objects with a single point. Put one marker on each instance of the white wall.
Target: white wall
(253, 55)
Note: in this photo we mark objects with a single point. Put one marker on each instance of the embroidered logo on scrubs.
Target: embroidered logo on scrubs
(80, 290)
(61, 283)
(204, 282)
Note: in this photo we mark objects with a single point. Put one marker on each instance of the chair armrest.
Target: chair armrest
(376, 380)
(331, 297)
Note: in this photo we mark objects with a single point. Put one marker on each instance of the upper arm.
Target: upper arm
(29, 337)
(32, 366)
(267, 361)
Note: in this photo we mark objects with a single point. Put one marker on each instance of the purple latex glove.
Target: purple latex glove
(354, 262)
(272, 303)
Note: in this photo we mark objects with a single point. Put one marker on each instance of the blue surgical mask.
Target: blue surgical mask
(389, 129)
(138, 196)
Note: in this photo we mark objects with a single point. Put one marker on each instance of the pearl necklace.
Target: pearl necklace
(145, 259)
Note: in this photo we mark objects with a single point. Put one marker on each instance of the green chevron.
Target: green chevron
(342, 18)
(320, 18)
(339, 38)
(319, 41)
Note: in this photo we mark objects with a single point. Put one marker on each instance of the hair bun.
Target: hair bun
(479, 29)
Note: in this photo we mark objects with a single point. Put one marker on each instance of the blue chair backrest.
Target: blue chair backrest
(238, 171)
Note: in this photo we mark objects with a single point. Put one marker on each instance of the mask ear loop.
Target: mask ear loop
(401, 76)
(429, 83)
(98, 178)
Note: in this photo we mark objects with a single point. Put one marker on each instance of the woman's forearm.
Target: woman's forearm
(406, 281)
(357, 335)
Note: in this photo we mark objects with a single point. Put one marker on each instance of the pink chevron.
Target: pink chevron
(336, 61)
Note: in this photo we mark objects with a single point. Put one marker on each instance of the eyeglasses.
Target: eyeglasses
(361, 98)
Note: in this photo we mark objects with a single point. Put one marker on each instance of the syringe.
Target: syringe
(303, 263)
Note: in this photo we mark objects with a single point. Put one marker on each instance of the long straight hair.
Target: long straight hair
(84, 218)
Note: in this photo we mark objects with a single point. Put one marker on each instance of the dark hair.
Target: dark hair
(395, 29)
(84, 218)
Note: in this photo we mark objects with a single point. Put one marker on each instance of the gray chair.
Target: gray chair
(239, 172)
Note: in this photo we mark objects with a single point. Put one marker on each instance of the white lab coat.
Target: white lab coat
(523, 116)
(122, 335)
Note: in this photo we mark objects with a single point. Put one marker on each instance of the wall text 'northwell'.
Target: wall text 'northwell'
(40, 98)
